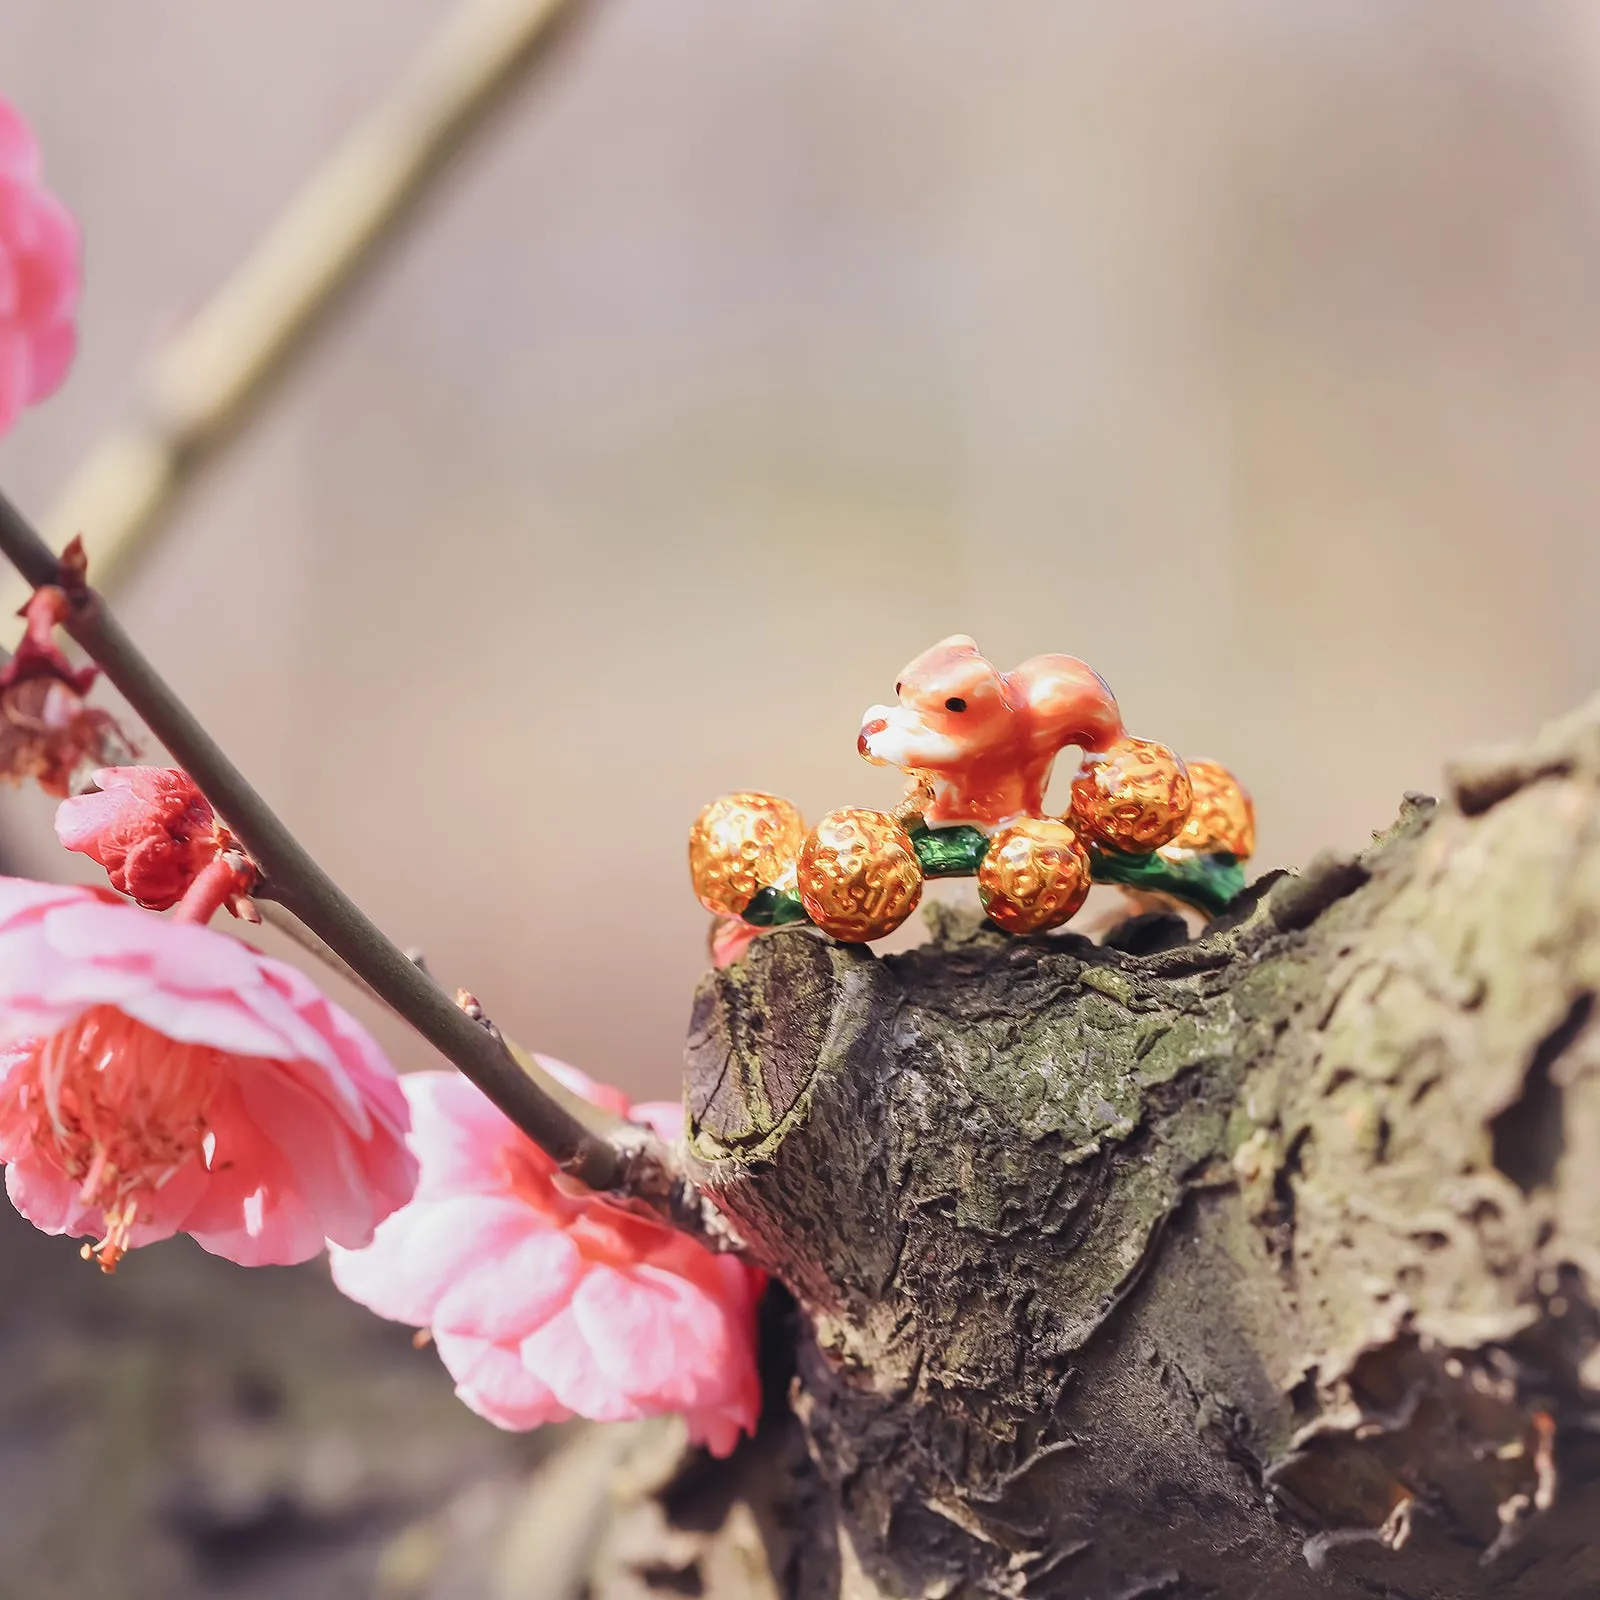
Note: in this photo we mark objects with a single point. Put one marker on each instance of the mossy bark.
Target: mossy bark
(1259, 1264)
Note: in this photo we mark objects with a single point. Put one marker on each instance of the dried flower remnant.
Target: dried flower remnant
(48, 733)
(39, 276)
(153, 832)
(548, 1301)
(159, 1078)
(730, 939)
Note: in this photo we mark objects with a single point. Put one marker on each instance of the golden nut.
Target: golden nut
(1221, 817)
(1134, 798)
(739, 844)
(1034, 875)
(858, 874)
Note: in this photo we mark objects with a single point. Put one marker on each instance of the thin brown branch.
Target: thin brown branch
(298, 934)
(205, 382)
(304, 888)
(272, 910)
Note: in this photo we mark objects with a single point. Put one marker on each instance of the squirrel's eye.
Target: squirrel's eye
(955, 703)
(898, 687)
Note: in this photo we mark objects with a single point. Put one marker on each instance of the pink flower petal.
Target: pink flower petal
(467, 1264)
(49, 295)
(529, 1283)
(21, 899)
(50, 355)
(39, 275)
(19, 155)
(188, 959)
(457, 1134)
(561, 1356)
(217, 1020)
(16, 374)
(655, 1335)
(492, 1381)
(84, 817)
(719, 1431)
(316, 1152)
(268, 1225)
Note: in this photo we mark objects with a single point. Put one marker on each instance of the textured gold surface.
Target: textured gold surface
(1034, 876)
(1221, 816)
(858, 874)
(741, 843)
(1133, 798)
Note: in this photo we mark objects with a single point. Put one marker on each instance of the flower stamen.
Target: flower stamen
(116, 1107)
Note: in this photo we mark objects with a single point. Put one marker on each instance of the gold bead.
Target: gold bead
(1034, 875)
(739, 844)
(858, 874)
(1134, 798)
(1221, 816)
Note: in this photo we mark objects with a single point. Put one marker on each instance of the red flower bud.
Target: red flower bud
(149, 827)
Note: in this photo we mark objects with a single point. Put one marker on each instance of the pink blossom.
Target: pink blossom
(39, 276)
(157, 1078)
(149, 827)
(545, 1300)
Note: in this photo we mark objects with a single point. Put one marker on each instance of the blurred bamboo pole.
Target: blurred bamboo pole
(204, 384)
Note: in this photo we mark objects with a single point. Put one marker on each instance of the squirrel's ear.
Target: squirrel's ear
(955, 655)
(1069, 697)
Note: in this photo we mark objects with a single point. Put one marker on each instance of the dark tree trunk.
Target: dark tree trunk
(1262, 1264)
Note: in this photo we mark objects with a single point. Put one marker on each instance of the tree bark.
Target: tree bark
(1260, 1264)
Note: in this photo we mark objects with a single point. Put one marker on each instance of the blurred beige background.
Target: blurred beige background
(1252, 353)
(1250, 350)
